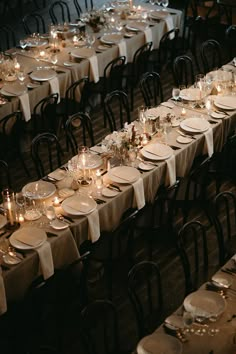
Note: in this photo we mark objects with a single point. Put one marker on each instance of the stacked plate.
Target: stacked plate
(79, 204)
(13, 90)
(225, 102)
(111, 38)
(123, 174)
(43, 75)
(195, 125)
(28, 238)
(157, 151)
(136, 26)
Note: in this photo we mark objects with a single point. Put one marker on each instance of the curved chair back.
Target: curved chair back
(44, 116)
(46, 153)
(99, 321)
(168, 47)
(59, 12)
(230, 36)
(5, 179)
(75, 97)
(79, 124)
(145, 293)
(113, 75)
(33, 23)
(183, 71)
(88, 6)
(7, 38)
(193, 249)
(78, 8)
(211, 55)
(151, 89)
(116, 108)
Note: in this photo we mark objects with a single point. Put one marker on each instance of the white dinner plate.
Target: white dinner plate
(183, 139)
(218, 115)
(123, 174)
(43, 75)
(157, 151)
(69, 63)
(36, 43)
(220, 281)
(27, 238)
(191, 94)
(79, 204)
(195, 125)
(159, 343)
(225, 102)
(136, 26)
(205, 303)
(82, 52)
(158, 15)
(58, 224)
(66, 192)
(3, 221)
(38, 190)
(111, 38)
(109, 193)
(13, 90)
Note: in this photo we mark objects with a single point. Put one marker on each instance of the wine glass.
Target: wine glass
(165, 4)
(50, 213)
(54, 60)
(20, 199)
(159, 2)
(119, 26)
(23, 44)
(152, 2)
(90, 39)
(176, 93)
(21, 76)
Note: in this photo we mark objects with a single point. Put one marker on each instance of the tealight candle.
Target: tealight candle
(17, 66)
(144, 140)
(139, 8)
(218, 87)
(21, 218)
(183, 112)
(56, 202)
(112, 20)
(75, 40)
(42, 53)
(99, 182)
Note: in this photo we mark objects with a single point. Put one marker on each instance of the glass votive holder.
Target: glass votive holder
(98, 182)
(9, 206)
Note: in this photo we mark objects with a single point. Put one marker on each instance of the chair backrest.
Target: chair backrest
(140, 61)
(116, 107)
(99, 323)
(78, 127)
(5, 179)
(193, 250)
(7, 38)
(151, 89)
(88, 6)
(76, 96)
(211, 55)
(44, 116)
(224, 215)
(230, 36)
(33, 23)
(113, 74)
(59, 12)
(168, 47)
(46, 153)
(10, 133)
(145, 293)
(183, 70)
(78, 8)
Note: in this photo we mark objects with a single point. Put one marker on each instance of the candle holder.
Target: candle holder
(83, 153)
(9, 206)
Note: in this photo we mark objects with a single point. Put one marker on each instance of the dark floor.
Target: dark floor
(25, 327)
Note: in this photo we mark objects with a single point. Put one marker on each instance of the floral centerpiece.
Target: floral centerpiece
(96, 20)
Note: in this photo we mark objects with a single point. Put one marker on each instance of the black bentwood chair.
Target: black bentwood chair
(5, 178)
(46, 153)
(7, 38)
(33, 23)
(59, 12)
(211, 55)
(151, 89)
(230, 36)
(116, 109)
(183, 71)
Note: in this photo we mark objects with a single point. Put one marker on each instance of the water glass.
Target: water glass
(165, 4)
(54, 60)
(90, 40)
(176, 93)
(50, 213)
(23, 44)
(21, 76)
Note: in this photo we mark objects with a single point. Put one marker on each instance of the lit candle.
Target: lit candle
(139, 8)
(21, 218)
(183, 112)
(75, 40)
(17, 66)
(42, 53)
(112, 20)
(99, 182)
(56, 202)
(144, 140)
(218, 89)
(10, 215)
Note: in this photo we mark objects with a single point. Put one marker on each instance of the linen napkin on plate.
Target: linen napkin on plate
(171, 171)
(25, 106)
(3, 301)
(46, 260)
(122, 49)
(94, 73)
(139, 198)
(209, 146)
(94, 226)
(54, 84)
(148, 35)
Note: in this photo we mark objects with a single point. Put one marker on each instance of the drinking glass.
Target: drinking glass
(54, 60)
(159, 2)
(165, 4)
(188, 320)
(50, 213)
(152, 2)
(90, 39)
(208, 105)
(144, 15)
(175, 93)
(23, 44)
(21, 76)
(119, 26)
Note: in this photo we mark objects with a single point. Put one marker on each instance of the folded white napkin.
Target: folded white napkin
(122, 48)
(54, 84)
(148, 35)
(3, 301)
(209, 146)
(94, 226)
(94, 73)
(169, 25)
(139, 198)
(46, 260)
(171, 171)
(25, 106)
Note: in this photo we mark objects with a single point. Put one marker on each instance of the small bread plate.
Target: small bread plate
(43, 75)
(109, 193)
(218, 115)
(146, 166)
(58, 224)
(183, 139)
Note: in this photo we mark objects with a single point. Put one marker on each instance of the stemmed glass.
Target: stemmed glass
(54, 60)
(165, 4)
(159, 2)
(21, 76)
(188, 320)
(23, 44)
(176, 93)
(152, 2)
(90, 39)
(50, 213)
(119, 26)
